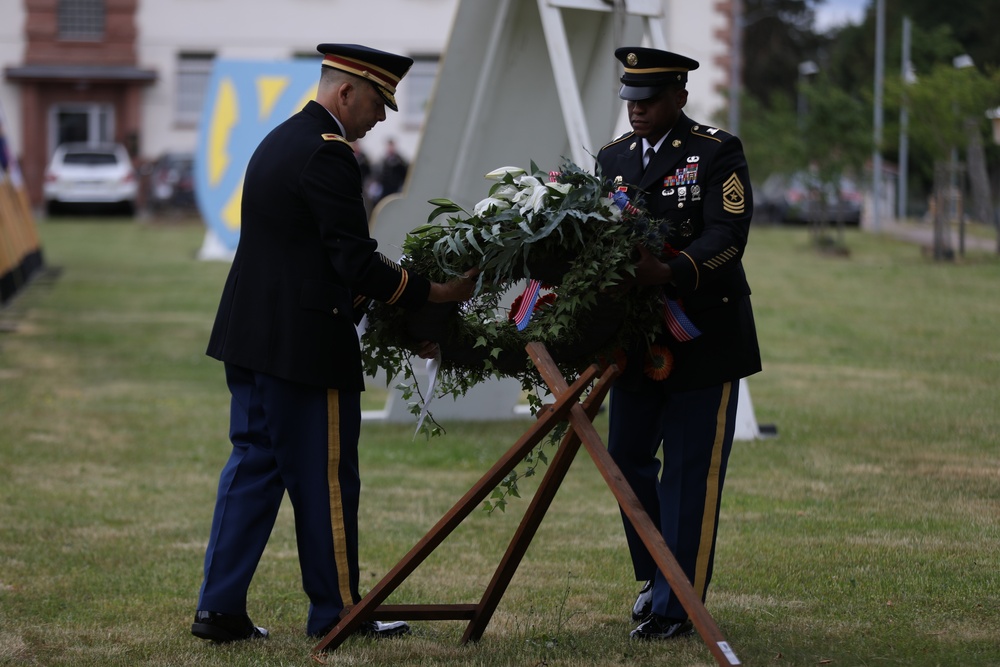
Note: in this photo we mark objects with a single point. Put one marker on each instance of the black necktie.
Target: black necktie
(650, 152)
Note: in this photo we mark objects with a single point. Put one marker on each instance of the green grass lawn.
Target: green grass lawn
(866, 533)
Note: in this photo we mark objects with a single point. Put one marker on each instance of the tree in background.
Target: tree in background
(947, 111)
(780, 34)
(972, 23)
(849, 61)
(777, 36)
(770, 140)
(837, 142)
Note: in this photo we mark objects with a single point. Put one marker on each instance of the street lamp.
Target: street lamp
(806, 69)
(963, 61)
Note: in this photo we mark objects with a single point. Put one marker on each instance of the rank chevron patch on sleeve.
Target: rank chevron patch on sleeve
(733, 196)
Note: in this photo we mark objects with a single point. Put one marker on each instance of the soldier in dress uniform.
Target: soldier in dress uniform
(303, 271)
(677, 395)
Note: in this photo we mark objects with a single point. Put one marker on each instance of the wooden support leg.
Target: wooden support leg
(546, 422)
(633, 509)
(533, 516)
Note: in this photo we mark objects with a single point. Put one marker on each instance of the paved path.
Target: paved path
(923, 234)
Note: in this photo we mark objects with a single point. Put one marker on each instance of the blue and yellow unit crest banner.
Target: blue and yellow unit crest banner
(245, 100)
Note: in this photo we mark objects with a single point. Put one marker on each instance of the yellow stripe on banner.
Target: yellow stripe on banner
(336, 502)
(8, 252)
(24, 205)
(16, 229)
(711, 496)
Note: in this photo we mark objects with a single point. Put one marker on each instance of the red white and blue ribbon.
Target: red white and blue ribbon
(680, 326)
(527, 305)
(622, 201)
(678, 323)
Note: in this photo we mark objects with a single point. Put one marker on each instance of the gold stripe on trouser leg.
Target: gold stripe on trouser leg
(711, 495)
(336, 503)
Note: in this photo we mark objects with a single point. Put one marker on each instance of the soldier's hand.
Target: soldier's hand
(427, 349)
(457, 289)
(649, 270)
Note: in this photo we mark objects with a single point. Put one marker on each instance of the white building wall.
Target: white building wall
(693, 29)
(264, 29)
(12, 43)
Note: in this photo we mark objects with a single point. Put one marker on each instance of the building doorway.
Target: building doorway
(85, 123)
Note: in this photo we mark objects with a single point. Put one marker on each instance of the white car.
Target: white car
(90, 174)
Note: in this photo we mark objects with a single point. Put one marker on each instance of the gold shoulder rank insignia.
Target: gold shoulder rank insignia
(733, 195)
(706, 132)
(330, 136)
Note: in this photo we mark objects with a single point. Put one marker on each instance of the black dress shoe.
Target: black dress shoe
(661, 627)
(372, 629)
(224, 628)
(644, 603)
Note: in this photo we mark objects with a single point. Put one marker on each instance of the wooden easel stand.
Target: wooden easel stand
(580, 417)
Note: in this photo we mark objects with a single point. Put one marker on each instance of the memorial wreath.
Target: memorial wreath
(572, 243)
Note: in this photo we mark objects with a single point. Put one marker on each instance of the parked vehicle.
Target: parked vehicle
(85, 176)
(171, 182)
(800, 198)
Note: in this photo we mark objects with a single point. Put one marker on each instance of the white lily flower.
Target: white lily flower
(610, 208)
(561, 188)
(490, 204)
(527, 181)
(536, 200)
(521, 196)
(506, 192)
(498, 174)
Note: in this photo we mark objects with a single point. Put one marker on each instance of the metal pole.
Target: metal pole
(904, 127)
(806, 69)
(879, 75)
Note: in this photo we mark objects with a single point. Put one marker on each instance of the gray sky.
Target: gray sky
(838, 12)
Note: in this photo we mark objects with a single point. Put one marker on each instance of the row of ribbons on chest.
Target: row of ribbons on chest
(686, 175)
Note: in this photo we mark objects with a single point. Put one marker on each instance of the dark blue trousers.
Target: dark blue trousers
(693, 433)
(303, 440)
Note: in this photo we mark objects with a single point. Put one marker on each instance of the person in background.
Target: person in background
(677, 395)
(392, 173)
(304, 269)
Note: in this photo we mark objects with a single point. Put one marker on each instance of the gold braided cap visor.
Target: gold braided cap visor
(654, 70)
(384, 80)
